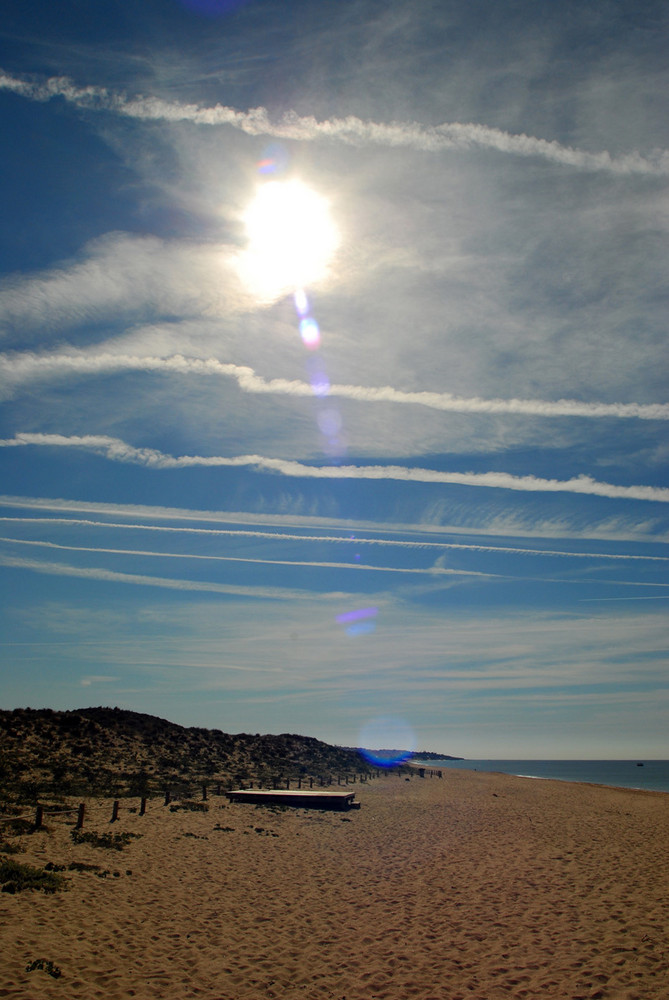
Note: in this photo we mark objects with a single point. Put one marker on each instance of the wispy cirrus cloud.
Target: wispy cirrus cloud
(18, 369)
(142, 580)
(117, 450)
(435, 570)
(350, 130)
(121, 273)
(614, 529)
(284, 536)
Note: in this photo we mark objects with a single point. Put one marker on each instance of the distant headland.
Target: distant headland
(415, 755)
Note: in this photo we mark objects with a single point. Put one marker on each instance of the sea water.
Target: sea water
(653, 775)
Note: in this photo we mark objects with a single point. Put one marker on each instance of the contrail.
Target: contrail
(20, 368)
(96, 573)
(117, 450)
(312, 522)
(430, 570)
(326, 539)
(599, 600)
(350, 130)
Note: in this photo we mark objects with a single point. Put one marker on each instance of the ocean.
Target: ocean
(652, 776)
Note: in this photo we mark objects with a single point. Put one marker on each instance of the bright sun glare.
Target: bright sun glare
(291, 238)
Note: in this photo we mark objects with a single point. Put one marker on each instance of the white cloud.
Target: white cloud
(25, 367)
(122, 274)
(645, 597)
(478, 522)
(451, 656)
(346, 540)
(435, 570)
(350, 130)
(117, 450)
(96, 573)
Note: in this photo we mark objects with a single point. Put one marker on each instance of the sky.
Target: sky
(333, 369)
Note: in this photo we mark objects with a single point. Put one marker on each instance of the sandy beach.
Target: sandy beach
(471, 886)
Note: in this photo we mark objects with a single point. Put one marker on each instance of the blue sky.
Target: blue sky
(442, 501)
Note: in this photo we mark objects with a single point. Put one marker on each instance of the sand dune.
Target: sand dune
(473, 886)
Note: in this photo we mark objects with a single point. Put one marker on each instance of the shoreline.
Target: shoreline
(607, 773)
(571, 781)
(474, 885)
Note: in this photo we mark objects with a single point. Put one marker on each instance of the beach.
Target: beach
(472, 885)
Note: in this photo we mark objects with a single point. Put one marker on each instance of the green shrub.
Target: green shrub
(139, 784)
(48, 967)
(7, 848)
(16, 877)
(18, 826)
(190, 807)
(9, 809)
(112, 841)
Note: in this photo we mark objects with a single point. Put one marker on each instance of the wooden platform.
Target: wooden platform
(300, 798)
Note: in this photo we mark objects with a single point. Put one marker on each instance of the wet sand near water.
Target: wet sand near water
(471, 887)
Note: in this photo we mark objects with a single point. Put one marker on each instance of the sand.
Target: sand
(471, 886)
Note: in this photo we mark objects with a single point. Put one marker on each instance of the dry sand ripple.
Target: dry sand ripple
(472, 886)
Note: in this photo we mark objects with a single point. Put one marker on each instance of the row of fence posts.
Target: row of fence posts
(302, 782)
(341, 779)
(80, 811)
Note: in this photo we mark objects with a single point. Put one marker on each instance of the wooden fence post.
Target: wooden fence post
(114, 812)
(167, 796)
(39, 812)
(142, 807)
(80, 816)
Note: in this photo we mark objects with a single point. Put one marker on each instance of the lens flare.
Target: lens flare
(301, 302)
(309, 332)
(318, 378)
(356, 616)
(361, 628)
(386, 741)
(329, 422)
(291, 238)
(274, 159)
(359, 622)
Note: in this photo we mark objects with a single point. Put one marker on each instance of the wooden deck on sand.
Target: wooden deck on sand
(300, 798)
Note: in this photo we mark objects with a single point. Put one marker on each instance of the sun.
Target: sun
(291, 238)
